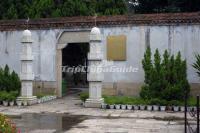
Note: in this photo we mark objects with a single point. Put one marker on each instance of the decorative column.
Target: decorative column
(95, 75)
(26, 73)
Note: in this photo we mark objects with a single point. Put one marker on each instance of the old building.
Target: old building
(124, 39)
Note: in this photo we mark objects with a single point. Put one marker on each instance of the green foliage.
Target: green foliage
(124, 100)
(159, 6)
(13, 9)
(196, 65)
(174, 103)
(9, 81)
(6, 125)
(164, 79)
(84, 96)
(8, 96)
(40, 95)
(155, 101)
(192, 101)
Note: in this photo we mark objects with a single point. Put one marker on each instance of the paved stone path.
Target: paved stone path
(99, 120)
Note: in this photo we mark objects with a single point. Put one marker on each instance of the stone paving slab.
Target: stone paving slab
(104, 121)
(72, 105)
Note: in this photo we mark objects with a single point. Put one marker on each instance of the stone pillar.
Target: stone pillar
(26, 73)
(59, 72)
(95, 78)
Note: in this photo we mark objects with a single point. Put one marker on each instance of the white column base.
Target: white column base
(94, 103)
(30, 100)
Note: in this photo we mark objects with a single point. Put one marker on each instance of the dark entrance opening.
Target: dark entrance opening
(74, 62)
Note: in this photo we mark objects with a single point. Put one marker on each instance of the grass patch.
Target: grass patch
(127, 100)
(124, 100)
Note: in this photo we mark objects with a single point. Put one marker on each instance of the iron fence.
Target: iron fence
(194, 113)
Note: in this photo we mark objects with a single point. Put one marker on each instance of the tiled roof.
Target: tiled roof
(107, 21)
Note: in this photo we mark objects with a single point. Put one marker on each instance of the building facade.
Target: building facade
(124, 40)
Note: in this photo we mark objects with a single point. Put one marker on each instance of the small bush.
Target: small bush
(124, 100)
(8, 96)
(9, 81)
(165, 78)
(6, 125)
(192, 101)
(174, 103)
(155, 102)
(40, 95)
(84, 96)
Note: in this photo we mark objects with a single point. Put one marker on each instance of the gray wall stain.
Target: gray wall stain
(147, 37)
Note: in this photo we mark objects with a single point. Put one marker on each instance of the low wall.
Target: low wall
(44, 87)
(133, 89)
(111, 89)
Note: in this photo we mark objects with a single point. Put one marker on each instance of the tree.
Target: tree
(164, 79)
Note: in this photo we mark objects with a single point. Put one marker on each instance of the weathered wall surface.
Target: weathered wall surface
(184, 38)
(44, 50)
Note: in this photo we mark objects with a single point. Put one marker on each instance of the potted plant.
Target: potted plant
(110, 102)
(175, 104)
(192, 104)
(11, 99)
(83, 96)
(142, 104)
(136, 104)
(156, 103)
(123, 104)
(163, 104)
(117, 104)
(149, 106)
(129, 104)
(5, 98)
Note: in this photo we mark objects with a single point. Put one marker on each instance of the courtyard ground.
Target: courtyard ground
(67, 115)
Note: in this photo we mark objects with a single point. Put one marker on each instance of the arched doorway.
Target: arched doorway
(67, 38)
(95, 57)
(74, 64)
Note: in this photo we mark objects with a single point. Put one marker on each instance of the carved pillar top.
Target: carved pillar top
(95, 34)
(26, 37)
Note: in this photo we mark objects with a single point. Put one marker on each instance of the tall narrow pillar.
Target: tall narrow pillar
(95, 75)
(26, 73)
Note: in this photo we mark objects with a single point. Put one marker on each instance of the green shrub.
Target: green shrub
(163, 102)
(9, 81)
(174, 103)
(155, 101)
(145, 92)
(6, 125)
(8, 96)
(124, 100)
(40, 95)
(110, 99)
(192, 101)
(11, 97)
(84, 96)
(4, 96)
(165, 78)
